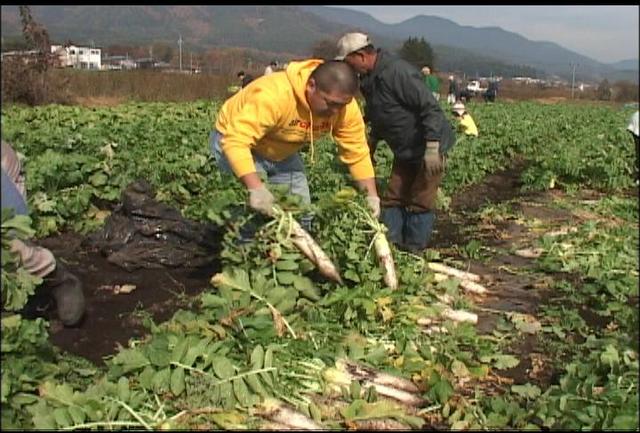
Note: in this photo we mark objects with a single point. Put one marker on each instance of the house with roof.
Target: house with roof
(77, 56)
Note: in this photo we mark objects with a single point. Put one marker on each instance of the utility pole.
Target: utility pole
(180, 45)
(191, 63)
(573, 78)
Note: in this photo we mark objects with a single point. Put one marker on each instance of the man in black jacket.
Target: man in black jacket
(402, 112)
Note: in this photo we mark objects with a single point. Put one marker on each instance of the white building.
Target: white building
(78, 57)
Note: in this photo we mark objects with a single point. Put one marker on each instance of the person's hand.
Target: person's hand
(261, 200)
(433, 162)
(374, 204)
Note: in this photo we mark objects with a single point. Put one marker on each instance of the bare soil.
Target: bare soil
(111, 319)
(512, 288)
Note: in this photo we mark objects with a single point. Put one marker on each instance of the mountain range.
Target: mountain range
(295, 30)
(490, 41)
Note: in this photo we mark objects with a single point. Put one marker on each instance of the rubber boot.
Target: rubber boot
(393, 218)
(418, 227)
(66, 290)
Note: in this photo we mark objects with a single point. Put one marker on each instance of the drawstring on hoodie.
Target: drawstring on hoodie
(311, 138)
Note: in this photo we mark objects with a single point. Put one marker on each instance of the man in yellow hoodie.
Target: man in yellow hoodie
(263, 126)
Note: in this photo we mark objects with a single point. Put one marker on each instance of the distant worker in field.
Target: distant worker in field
(58, 283)
(404, 113)
(492, 91)
(263, 128)
(466, 125)
(432, 82)
(271, 68)
(454, 92)
(244, 79)
(633, 129)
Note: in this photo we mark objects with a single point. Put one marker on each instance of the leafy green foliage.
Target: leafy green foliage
(270, 323)
(17, 284)
(418, 52)
(27, 360)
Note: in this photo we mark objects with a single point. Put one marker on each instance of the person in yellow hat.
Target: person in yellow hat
(466, 123)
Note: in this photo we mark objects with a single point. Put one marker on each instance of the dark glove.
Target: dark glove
(433, 162)
(261, 200)
(66, 290)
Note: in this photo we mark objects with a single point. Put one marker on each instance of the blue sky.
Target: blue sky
(604, 33)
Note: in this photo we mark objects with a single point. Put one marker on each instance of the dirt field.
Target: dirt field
(113, 319)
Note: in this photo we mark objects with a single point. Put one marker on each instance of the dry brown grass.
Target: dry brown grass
(107, 88)
(146, 86)
(28, 80)
(99, 101)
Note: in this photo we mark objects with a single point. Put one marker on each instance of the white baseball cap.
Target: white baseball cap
(351, 42)
(458, 107)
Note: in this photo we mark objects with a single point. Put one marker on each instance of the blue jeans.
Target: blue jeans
(289, 172)
(408, 230)
(11, 196)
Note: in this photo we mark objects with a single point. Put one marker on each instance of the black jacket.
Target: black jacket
(401, 109)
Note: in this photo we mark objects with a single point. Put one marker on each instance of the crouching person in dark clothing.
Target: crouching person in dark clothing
(402, 112)
(492, 92)
(57, 282)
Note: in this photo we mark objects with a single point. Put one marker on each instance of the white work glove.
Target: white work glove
(433, 162)
(374, 204)
(261, 200)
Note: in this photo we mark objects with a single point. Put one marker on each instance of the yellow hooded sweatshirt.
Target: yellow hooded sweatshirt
(468, 126)
(271, 117)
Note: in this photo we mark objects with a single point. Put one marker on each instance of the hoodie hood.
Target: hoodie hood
(298, 74)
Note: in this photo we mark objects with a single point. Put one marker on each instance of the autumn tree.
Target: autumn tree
(25, 76)
(34, 33)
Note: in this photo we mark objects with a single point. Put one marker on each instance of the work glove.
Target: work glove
(433, 163)
(374, 204)
(261, 200)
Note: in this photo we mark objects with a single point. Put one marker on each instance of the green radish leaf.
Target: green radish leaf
(257, 357)
(286, 265)
(504, 362)
(61, 415)
(177, 381)
(222, 367)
